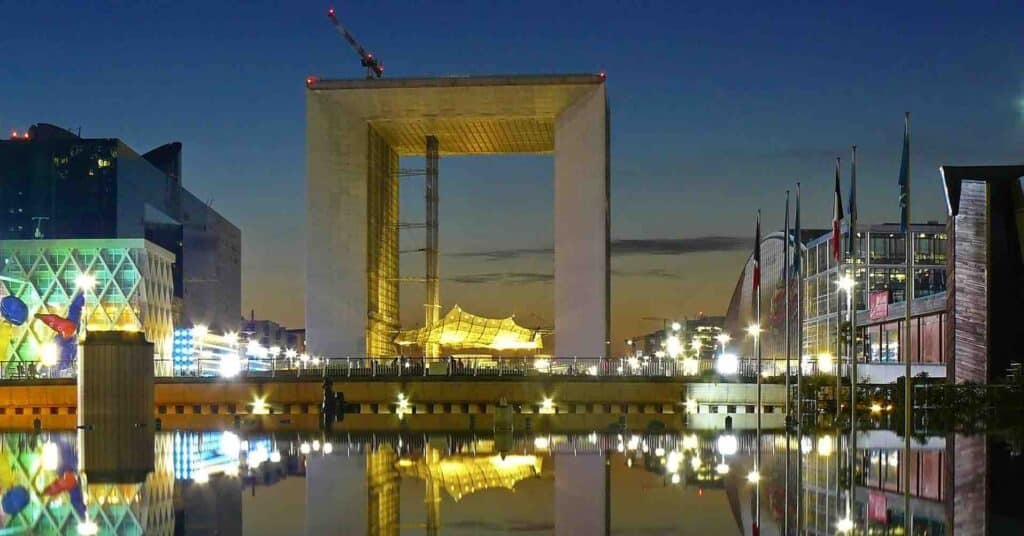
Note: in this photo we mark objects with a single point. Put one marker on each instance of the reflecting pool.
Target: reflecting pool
(233, 482)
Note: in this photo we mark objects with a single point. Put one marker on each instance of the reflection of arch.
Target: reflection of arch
(463, 475)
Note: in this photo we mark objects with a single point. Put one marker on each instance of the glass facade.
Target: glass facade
(877, 265)
(65, 188)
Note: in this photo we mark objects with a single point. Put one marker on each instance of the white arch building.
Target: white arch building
(357, 129)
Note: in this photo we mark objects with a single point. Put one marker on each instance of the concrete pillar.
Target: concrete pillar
(581, 227)
(336, 167)
(115, 405)
(582, 494)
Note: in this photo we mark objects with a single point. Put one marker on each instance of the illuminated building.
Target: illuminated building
(356, 132)
(878, 269)
(459, 330)
(133, 290)
(58, 185)
(132, 506)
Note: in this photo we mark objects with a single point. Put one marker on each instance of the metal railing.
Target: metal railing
(404, 367)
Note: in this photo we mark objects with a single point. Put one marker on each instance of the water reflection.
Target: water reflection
(223, 482)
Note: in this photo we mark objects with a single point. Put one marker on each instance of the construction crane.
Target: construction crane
(372, 65)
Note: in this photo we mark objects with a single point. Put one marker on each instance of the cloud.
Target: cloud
(678, 246)
(657, 273)
(623, 247)
(504, 254)
(515, 278)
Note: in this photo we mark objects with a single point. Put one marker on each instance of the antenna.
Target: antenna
(39, 222)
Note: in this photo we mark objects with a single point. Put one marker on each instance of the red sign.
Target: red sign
(877, 507)
(878, 305)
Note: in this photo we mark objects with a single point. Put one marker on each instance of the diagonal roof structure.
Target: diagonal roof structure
(459, 330)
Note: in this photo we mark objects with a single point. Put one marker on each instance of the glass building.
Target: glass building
(878, 270)
(59, 185)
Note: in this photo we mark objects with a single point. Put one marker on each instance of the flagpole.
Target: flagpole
(852, 311)
(837, 255)
(908, 298)
(799, 367)
(785, 274)
(757, 344)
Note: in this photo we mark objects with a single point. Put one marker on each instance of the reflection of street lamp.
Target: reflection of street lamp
(754, 330)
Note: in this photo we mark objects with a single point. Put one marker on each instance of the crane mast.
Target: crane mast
(372, 65)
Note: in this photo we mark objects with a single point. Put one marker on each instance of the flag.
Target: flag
(757, 254)
(785, 262)
(798, 245)
(905, 175)
(851, 235)
(837, 216)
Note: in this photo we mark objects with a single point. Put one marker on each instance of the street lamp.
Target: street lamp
(753, 330)
(676, 326)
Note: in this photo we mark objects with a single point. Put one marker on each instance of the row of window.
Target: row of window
(883, 249)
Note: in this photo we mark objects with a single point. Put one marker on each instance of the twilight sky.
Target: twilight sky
(716, 110)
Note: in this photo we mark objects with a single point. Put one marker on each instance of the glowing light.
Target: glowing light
(695, 463)
(673, 461)
(402, 406)
(51, 456)
(542, 364)
(48, 354)
(328, 448)
(876, 408)
(275, 457)
(690, 442)
(316, 445)
(695, 344)
(275, 351)
(673, 346)
(88, 528)
(727, 445)
(547, 406)
(85, 282)
(304, 448)
(634, 443)
(691, 406)
(201, 476)
(304, 357)
(753, 330)
(754, 477)
(806, 445)
(259, 406)
(690, 366)
(291, 353)
(728, 364)
(231, 338)
(825, 446)
(723, 338)
(258, 456)
(844, 525)
(230, 365)
(230, 444)
(200, 332)
(592, 370)
(722, 468)
(659, 452)
(541, 443)
(825, 362)
(676, 326)
(845, 283)
(675, 478)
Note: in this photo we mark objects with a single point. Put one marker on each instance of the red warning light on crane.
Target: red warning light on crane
(310, 80)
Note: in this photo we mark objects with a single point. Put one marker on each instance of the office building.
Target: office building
(59, 185)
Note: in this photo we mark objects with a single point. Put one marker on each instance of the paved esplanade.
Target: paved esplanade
(356, 131)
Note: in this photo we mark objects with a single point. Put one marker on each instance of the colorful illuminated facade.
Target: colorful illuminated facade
(132, 290)
(459, 330)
